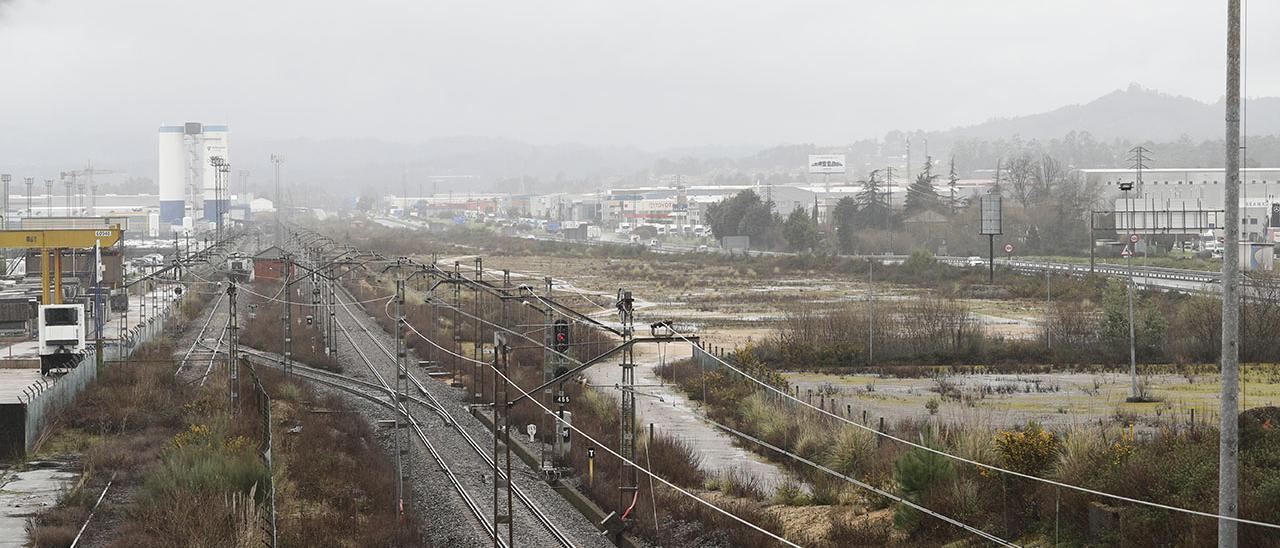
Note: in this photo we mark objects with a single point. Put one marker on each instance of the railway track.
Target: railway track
(195, 342)
(542, 518)
(381, 395)
(432, 402)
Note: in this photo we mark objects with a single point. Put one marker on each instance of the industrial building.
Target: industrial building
(190, 185)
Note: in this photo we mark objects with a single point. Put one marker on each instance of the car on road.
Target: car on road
(975, 261)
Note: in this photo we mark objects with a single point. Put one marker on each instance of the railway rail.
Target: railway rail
(434, 403)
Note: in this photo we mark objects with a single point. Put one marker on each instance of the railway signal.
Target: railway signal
(560, 339)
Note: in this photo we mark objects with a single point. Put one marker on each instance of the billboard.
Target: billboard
(826, 163)
(991, 220)
(1175, 218)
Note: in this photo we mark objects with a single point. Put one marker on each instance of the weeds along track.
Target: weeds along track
(534, 526)
(381, 395)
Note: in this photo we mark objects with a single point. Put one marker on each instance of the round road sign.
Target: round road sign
(1008, 248)
(1133, 238)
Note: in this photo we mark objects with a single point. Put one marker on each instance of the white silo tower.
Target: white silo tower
(215, 144)
(172, 174)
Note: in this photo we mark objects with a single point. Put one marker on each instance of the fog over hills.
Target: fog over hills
(485, 163)
(1134, 114)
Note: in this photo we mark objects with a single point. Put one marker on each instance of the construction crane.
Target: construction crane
(61, 326)
(51, 243)
(75, 180)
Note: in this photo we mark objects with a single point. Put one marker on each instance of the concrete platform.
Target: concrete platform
(25, 351)
(12, 381)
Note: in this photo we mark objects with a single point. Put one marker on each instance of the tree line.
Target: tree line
(1046, 210)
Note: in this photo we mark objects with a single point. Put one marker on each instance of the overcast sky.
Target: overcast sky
(653, 73)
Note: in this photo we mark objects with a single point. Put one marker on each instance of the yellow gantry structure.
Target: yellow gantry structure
(51, 242)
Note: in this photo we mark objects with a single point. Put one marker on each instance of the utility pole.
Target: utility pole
(233, 352)
(288, 316)
(550, 363)
(871, 308)
(48, 193)
(4, 221)
(477, 372)
(276, 160)
(30, 182)
(1048, 333)
(1229, 429)
(457, 326)
(501, 444)
(888, 200)
(403, 442)
(69, 183)
(628, 477)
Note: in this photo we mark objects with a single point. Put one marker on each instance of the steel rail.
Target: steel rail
(534, 509)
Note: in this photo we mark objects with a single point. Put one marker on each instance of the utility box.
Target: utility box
(564, 434)
(736, 243)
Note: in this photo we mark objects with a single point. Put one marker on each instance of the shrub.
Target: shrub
(850, 449)
(918, 473)
(1029, 451)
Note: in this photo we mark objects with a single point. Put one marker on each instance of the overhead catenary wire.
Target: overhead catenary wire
(886, 435)
(601, 445)
(953, 521)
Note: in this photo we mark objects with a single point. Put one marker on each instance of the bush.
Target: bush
(919, 473)
(1029, 451)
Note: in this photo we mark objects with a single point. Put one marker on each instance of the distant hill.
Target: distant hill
(1134, 114)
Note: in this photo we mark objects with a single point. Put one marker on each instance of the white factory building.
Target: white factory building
(1173, 197)
(188, 179)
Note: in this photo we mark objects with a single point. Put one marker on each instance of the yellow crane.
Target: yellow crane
(51, 242)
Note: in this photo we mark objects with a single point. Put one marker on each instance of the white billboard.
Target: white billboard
(826, 163)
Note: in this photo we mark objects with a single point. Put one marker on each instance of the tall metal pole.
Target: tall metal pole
(628, 477)
(1229, 441)
(288, 316)
(276, 159)
(1048, 333)
(991, 259)
(402, 430)
(1133, 353)
(871, 320)
(4, 221)
(233, 351)
(477, 373)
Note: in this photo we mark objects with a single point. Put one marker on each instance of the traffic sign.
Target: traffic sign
(532, 430)
(1126, 253)
(1008, 248)
(1133, 238)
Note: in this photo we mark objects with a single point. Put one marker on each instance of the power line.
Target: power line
(604, 446)
(881, 492)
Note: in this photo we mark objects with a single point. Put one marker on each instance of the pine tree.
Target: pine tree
(921, 196)
(952, 183)
(871, 202)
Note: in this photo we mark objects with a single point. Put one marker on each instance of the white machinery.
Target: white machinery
(240, 268)
(62, 330)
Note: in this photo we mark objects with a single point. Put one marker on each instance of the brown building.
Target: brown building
(268, 264)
